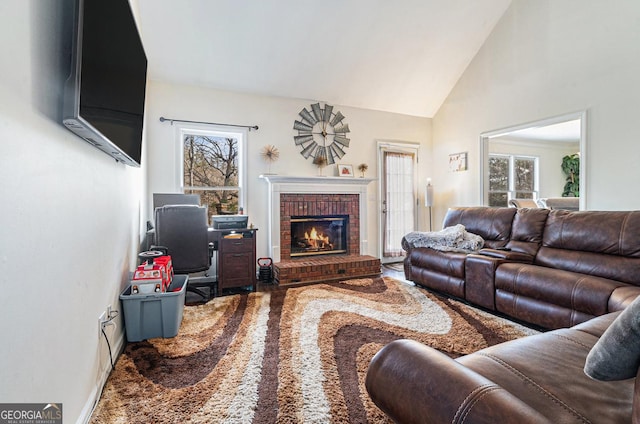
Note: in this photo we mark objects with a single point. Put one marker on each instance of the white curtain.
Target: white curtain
(400, 200)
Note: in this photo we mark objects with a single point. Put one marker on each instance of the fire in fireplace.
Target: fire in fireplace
(318, 235)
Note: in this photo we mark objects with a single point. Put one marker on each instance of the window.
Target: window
(498, 180)
(512, 177)
(399, 200)
(212, 166)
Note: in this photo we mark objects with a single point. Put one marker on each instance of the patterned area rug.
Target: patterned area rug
(298, 355)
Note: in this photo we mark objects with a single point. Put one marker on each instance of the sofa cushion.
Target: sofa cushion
(523, 290)
(612, 233)
(492, 224)
(616, 356)
(605, 244)
(625, 269)
(451, 263)
(526, 231)
(442, 271)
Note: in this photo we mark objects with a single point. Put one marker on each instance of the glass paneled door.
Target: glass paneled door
(398, 198)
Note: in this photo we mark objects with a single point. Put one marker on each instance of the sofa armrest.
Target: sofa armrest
(407, 267)
(480, 273)
(413, 383)
(507, 255)
(621, 297)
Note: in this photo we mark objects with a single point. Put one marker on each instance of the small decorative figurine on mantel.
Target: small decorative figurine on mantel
(320, 161)
(362, 168)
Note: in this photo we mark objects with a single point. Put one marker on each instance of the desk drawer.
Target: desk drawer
(238, 269)
(236, 245)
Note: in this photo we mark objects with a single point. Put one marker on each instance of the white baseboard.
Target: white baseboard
(95, 394)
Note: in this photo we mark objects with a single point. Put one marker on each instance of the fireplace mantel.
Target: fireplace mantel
(286, 179)
(279, 184)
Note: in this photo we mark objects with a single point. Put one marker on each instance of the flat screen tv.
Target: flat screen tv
(104, 94)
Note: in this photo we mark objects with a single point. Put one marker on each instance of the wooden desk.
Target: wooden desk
(236, 257)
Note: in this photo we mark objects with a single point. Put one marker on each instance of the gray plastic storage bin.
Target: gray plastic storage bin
(154, 314)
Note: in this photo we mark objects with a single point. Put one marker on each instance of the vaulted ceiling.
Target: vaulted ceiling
(400, 56)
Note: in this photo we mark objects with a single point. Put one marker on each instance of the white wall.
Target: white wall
(70, 222)
(547, 58)
(275, 117)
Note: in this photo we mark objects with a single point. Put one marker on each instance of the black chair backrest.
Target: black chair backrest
(163, 199)
(183, 230)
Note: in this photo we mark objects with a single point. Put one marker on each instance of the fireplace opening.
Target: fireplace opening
(319, 235)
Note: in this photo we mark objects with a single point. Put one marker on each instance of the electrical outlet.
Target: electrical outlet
(101, 320)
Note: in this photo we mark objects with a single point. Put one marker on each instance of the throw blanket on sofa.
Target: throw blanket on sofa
(450, 239)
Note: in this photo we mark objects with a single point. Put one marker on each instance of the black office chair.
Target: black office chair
(163, 199)
(183, 231)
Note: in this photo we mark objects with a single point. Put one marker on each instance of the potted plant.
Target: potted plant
(571, 168)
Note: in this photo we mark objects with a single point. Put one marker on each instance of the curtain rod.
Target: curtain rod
(250, 127)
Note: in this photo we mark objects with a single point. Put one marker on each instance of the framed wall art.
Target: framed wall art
(458, 162)
(345, 170)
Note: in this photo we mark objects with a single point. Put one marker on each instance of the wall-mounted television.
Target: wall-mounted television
(104, 94)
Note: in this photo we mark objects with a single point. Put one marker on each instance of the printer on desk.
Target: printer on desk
(224, 222)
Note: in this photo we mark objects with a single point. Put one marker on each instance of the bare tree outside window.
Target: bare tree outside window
(498, 180)
(211, 170)
(511, 177)
(524, 178)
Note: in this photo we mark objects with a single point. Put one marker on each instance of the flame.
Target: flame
(316, 239)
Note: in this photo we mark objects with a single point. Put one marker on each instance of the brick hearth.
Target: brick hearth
(325, 268)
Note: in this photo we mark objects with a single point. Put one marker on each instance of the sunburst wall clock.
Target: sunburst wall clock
(321, 132)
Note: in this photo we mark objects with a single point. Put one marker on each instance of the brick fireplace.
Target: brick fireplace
(319, 205)
(300, 197)
(315, 235)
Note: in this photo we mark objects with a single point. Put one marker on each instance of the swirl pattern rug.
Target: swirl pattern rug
(296, 355)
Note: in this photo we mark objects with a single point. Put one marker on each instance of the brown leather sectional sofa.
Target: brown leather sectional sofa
(560, 268)
(550, 268)
(536, 379)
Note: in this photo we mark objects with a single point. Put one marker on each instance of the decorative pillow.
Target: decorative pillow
(616, 356)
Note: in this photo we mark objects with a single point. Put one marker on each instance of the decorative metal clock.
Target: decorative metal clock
(321, 133)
